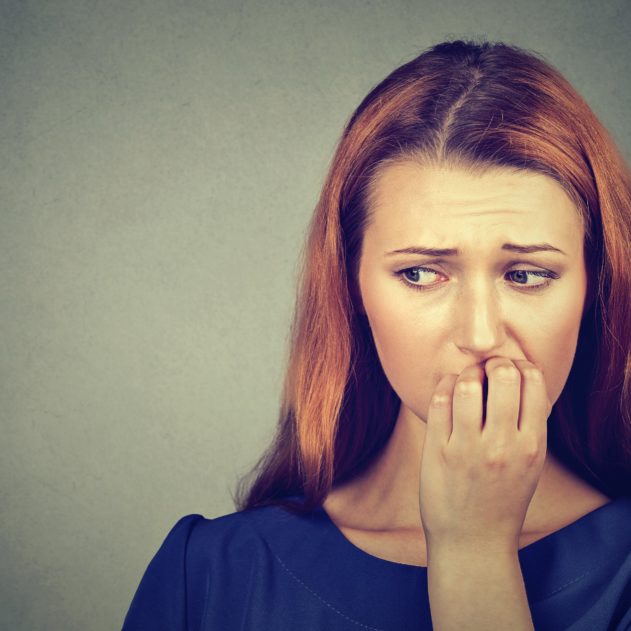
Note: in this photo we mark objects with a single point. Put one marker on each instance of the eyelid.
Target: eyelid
(549, 275)
(526, 260)
(428, 265)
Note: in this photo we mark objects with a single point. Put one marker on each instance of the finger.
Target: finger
(439, 416)
(468, 404)
(535, 405)
(502, 405)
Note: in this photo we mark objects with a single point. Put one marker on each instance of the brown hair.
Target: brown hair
(475, 105)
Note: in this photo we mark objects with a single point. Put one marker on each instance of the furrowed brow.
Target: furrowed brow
(511, 247)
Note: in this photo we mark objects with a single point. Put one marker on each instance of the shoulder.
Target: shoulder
(232, 542)
(200, 536)
(227, 537)
(201, 561)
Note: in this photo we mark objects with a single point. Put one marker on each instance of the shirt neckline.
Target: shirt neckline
(315, 552)
(524, 553)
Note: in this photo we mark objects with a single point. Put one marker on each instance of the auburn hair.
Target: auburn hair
(476, 105)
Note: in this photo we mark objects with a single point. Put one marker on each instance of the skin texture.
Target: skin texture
(477, 480)
(474, 323)
(472, 312)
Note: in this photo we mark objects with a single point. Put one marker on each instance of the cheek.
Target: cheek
(406, 345)
(554, 348)
(416, 348)
(411, 348)
(558, 324)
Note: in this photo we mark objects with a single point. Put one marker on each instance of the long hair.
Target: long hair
(478, 106)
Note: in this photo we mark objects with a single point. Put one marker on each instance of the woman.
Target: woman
(454, 444)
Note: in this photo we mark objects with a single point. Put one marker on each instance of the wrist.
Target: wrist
(475, 550)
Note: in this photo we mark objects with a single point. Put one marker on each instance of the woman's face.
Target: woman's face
(450, 311)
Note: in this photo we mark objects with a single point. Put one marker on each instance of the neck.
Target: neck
(386, 495)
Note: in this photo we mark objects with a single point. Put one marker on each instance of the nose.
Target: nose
(479, 324)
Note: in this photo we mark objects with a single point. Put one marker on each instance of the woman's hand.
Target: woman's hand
(479, 472)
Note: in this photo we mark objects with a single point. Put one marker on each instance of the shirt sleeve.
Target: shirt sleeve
(160, 601)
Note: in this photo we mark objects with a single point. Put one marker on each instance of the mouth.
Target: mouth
(485, 390)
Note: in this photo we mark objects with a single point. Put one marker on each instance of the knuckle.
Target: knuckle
(467, 387)
(506, 372)
(532, 457)
(531, 451)
(533, 374)
(440, 400)
(497, 459)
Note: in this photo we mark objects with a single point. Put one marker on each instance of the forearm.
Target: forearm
(476, 590)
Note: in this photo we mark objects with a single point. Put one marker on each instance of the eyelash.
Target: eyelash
(549, 275)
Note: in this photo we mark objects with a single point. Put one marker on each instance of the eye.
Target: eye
(520, 278)
(415, 271)
(522, 275)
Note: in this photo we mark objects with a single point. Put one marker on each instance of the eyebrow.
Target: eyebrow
(511, 247)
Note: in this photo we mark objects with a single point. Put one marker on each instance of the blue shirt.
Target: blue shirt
(268, 569)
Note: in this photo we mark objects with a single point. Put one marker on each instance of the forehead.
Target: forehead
(407, 199)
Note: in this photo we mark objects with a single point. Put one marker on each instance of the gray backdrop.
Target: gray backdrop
(159, 162)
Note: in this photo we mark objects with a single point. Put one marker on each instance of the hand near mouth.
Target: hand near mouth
(478, 476)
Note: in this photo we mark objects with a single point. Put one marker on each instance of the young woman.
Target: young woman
(454, 444)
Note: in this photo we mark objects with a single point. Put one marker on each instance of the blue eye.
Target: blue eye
(524, 275)
(521, 275)
(416, 271)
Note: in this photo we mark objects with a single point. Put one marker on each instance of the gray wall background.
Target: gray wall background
(159, 162)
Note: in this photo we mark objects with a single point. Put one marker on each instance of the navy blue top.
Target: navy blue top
(269, 569)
